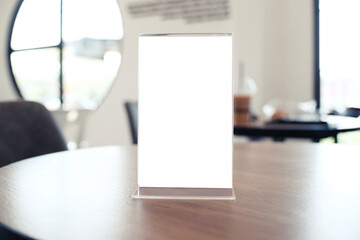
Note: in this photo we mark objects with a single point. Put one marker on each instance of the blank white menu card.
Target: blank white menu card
(185, 111)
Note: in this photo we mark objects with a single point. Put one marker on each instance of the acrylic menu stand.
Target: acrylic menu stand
(185, 117)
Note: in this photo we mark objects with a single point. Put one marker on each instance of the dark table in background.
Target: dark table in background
(314, 131)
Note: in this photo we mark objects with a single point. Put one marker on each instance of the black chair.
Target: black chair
(27, 129)
(8, 234)
(132, 113)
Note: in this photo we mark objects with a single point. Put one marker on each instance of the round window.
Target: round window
(65, 53)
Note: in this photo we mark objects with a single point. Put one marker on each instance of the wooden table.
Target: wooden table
(314, 131)
(284, 191)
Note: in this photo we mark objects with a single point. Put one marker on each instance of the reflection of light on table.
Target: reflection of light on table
(333, 201)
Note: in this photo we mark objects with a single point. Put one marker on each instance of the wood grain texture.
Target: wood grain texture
(284, 191)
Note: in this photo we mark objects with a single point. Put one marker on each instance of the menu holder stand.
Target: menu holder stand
(185, 193)
(185, 122)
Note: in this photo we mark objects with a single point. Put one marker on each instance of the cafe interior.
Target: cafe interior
(69, 93)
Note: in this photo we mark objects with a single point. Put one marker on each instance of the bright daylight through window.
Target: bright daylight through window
(66, 53)
(339, 54)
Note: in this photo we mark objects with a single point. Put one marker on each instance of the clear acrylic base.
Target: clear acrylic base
(185, 193)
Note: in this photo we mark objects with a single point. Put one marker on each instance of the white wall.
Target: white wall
(272, 37)
(288, 65)
(6, 88)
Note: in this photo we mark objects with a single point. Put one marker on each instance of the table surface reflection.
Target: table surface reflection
(284, 191)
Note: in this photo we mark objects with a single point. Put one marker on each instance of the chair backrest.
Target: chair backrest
(132, 113)
(27, 129)
(9, 234)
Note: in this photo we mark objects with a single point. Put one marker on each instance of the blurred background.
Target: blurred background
(79, 58)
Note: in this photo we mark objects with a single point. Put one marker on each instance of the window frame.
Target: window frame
(10, 50)
(59, 46)
(317, 86)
